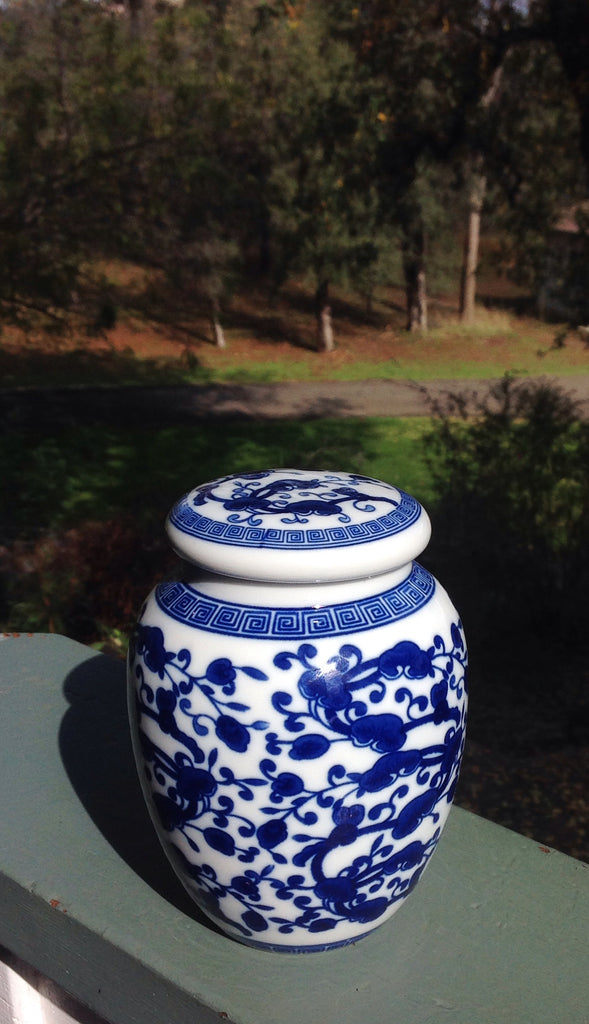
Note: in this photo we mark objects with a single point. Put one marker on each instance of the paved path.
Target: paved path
(298, 400)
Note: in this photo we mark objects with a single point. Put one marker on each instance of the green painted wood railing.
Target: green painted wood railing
(497, 931)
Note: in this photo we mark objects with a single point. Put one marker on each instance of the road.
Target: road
(297, 400)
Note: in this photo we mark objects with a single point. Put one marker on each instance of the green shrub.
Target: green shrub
(512, 508)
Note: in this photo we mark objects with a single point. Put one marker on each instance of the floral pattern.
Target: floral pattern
(296, 499)
(288, 510)
(323, 809)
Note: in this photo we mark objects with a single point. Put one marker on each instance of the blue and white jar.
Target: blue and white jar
(298, 705)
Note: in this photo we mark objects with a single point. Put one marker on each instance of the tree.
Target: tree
(566, 25)
(523, 137)
(320, 208)
(71, 96)
(424, 63)
(532, 157)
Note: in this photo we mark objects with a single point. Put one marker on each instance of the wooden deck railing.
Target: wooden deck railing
(497, 931)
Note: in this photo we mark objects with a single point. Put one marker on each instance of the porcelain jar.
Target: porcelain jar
(297, 697)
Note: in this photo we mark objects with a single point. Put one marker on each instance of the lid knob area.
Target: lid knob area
(292, 525)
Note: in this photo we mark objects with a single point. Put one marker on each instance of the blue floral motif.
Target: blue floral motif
(294, 499)
(411, 747)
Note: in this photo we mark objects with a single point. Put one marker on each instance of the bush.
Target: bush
(512, 488)
(86, 582)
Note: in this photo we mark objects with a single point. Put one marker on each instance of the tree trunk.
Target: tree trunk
(471, 249)
(218, 332)
(324, 322)
(478, 187)
(413, 251)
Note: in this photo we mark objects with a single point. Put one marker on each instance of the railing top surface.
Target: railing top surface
(496, 932)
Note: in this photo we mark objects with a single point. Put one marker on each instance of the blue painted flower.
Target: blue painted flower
(166, 704)
(232, 733)
(368, 911)
(150, 643)
(170, 814)
(406, 859)
(271, 833)
(245, 887)
(195, 784)
(322, 924)
(439, 699)
(352, 814)
(414, 812)
(405, 657)
(452, 749)
(221, 672)
(287, 784)
(457, 638)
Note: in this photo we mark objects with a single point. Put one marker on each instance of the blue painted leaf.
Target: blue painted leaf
(254, 921)
(254, 673)
(220, 841)
(309, 747)
(324, 924)
(377, 842)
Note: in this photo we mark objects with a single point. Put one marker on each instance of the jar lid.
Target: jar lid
(292, 525)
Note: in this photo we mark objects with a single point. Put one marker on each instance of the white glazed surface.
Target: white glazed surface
(299, 746)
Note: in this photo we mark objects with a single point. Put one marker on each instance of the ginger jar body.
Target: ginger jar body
(298, 703)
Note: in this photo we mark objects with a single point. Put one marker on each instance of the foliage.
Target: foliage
(533, 159)
(211, 143)
(513, 497)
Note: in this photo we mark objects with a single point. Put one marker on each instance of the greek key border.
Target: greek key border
(186, 604)
(193, 523)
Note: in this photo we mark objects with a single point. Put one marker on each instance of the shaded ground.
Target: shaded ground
(293, 400)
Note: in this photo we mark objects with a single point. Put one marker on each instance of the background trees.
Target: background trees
(215, 141)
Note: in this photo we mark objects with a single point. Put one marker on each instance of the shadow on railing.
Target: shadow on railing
(95, 747)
